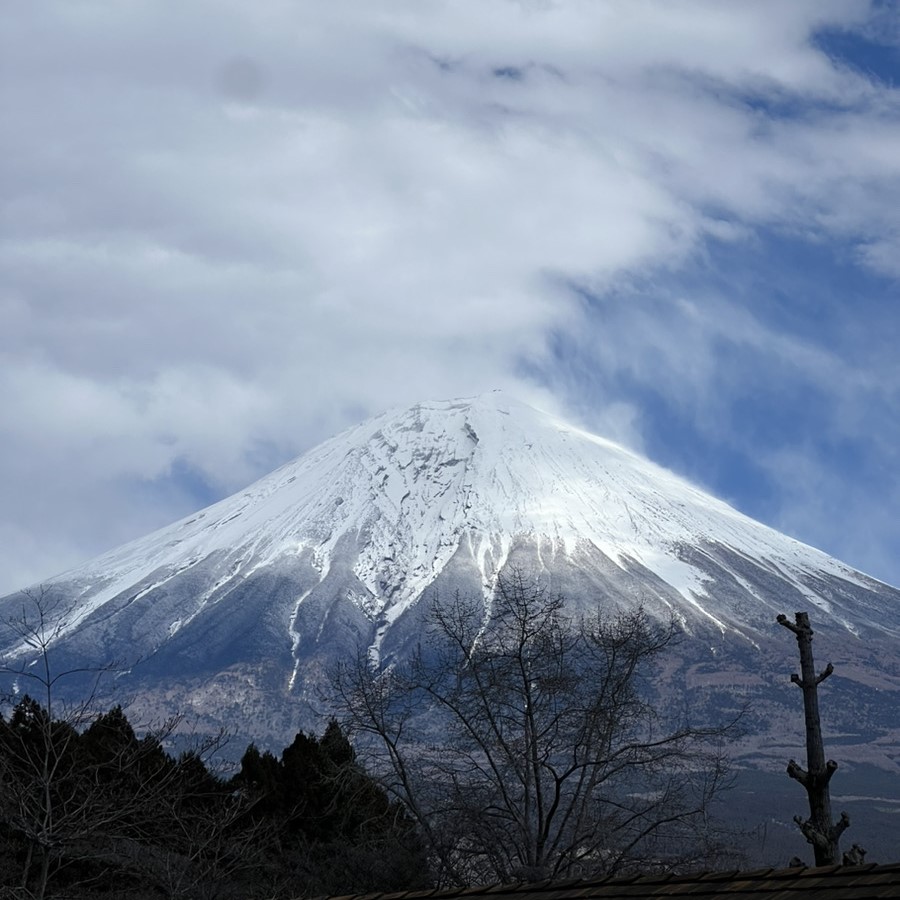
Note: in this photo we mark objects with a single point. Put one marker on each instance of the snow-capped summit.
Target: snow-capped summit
(244, 605)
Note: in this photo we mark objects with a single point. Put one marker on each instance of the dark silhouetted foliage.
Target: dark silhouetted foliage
(106, 813)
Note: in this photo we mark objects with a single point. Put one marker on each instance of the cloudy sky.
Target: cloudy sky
(231, 229)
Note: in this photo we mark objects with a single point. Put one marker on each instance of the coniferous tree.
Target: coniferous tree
(336, 829)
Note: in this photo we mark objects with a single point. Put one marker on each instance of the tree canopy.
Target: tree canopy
(525, 745)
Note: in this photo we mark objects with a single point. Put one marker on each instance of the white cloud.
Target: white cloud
(239, 225)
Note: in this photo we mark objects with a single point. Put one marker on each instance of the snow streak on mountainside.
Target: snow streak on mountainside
(245, 605)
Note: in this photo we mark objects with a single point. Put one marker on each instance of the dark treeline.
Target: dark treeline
(99, 812)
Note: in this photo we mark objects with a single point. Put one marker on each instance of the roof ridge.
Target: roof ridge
(584, 885)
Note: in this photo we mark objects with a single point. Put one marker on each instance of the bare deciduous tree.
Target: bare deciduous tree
(525, 746)
(44, 800)
(85, 797)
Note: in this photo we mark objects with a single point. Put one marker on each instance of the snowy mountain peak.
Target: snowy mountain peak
(411, 489)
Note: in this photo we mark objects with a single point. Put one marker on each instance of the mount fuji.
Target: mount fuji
(235, 614)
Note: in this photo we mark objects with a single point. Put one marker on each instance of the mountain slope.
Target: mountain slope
(238, 611)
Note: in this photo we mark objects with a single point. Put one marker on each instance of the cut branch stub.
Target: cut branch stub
(813, 836)
(797, 772)
(855, 856)
(838, 829)
(783, 620)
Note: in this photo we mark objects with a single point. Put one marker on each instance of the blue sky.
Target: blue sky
(230, 230)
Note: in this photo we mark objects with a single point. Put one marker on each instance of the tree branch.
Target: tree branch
(798, 773)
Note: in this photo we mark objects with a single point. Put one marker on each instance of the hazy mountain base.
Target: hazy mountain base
(764, 802)
(256, 657)
(692, 681)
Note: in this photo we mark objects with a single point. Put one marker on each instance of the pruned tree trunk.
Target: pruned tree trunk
(818, 829)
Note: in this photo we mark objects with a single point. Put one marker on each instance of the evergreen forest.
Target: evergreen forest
(101, 812)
